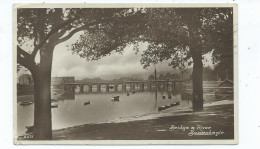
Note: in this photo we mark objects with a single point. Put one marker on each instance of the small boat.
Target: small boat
(167, 106)
(116, 98)
(169, 97)
(54, 105)
(25, 103)
(54, 100)
(161, 108)
(175, 104)
(87, 103)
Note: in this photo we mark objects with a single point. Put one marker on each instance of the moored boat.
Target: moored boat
(54, 105)
(116, 98)
(87, 103)
(25, 103)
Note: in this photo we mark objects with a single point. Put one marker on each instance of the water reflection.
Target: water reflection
(72, 108)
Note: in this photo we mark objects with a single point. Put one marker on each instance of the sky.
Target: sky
(65, 63)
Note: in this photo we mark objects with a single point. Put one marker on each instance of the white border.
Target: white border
(125, 142)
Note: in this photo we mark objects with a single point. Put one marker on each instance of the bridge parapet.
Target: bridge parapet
(141, 85)
(123, 82)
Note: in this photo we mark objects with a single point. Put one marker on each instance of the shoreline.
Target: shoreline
(173, 111)
(218, 116)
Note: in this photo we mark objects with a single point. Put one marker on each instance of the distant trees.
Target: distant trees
(161, 77)
(219, 72)
(123, 79)
(175, 76)
(151, 77)
(25, 79)
(209, 74)
(224, 70)
(168, 76)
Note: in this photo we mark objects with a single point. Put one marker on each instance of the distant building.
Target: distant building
(25, 79)
(226, 83)
(225, 86)
(225, 90)
(57, 84)
(62, 80)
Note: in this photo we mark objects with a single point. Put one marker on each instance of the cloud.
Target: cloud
(67, 64)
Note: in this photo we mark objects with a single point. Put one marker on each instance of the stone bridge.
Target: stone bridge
(133, 85)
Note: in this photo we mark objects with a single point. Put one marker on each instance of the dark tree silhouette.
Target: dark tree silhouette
(183, 35)
(101, 31)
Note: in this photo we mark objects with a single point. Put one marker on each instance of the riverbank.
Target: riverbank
(216, 121)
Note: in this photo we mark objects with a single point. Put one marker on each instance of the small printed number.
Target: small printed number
(28, 136)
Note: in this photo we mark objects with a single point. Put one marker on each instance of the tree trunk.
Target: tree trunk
(42, 97)
(197, 103)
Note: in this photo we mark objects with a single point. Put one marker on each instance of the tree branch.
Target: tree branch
(25, 59)
(53, 31)
(36, 40)
(71, 34)
(34, 52)
(84, 27)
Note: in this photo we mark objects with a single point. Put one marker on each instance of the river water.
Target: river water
(71, 110)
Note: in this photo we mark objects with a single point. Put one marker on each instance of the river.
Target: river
(71, 110)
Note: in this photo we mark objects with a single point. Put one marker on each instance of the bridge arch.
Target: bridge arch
(94, 88)
(128, 86)
(120, 87)
(85, 88)
(103, 88)
(111, 87)
(78, 88)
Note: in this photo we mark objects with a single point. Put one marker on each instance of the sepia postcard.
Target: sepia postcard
(125, 73)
